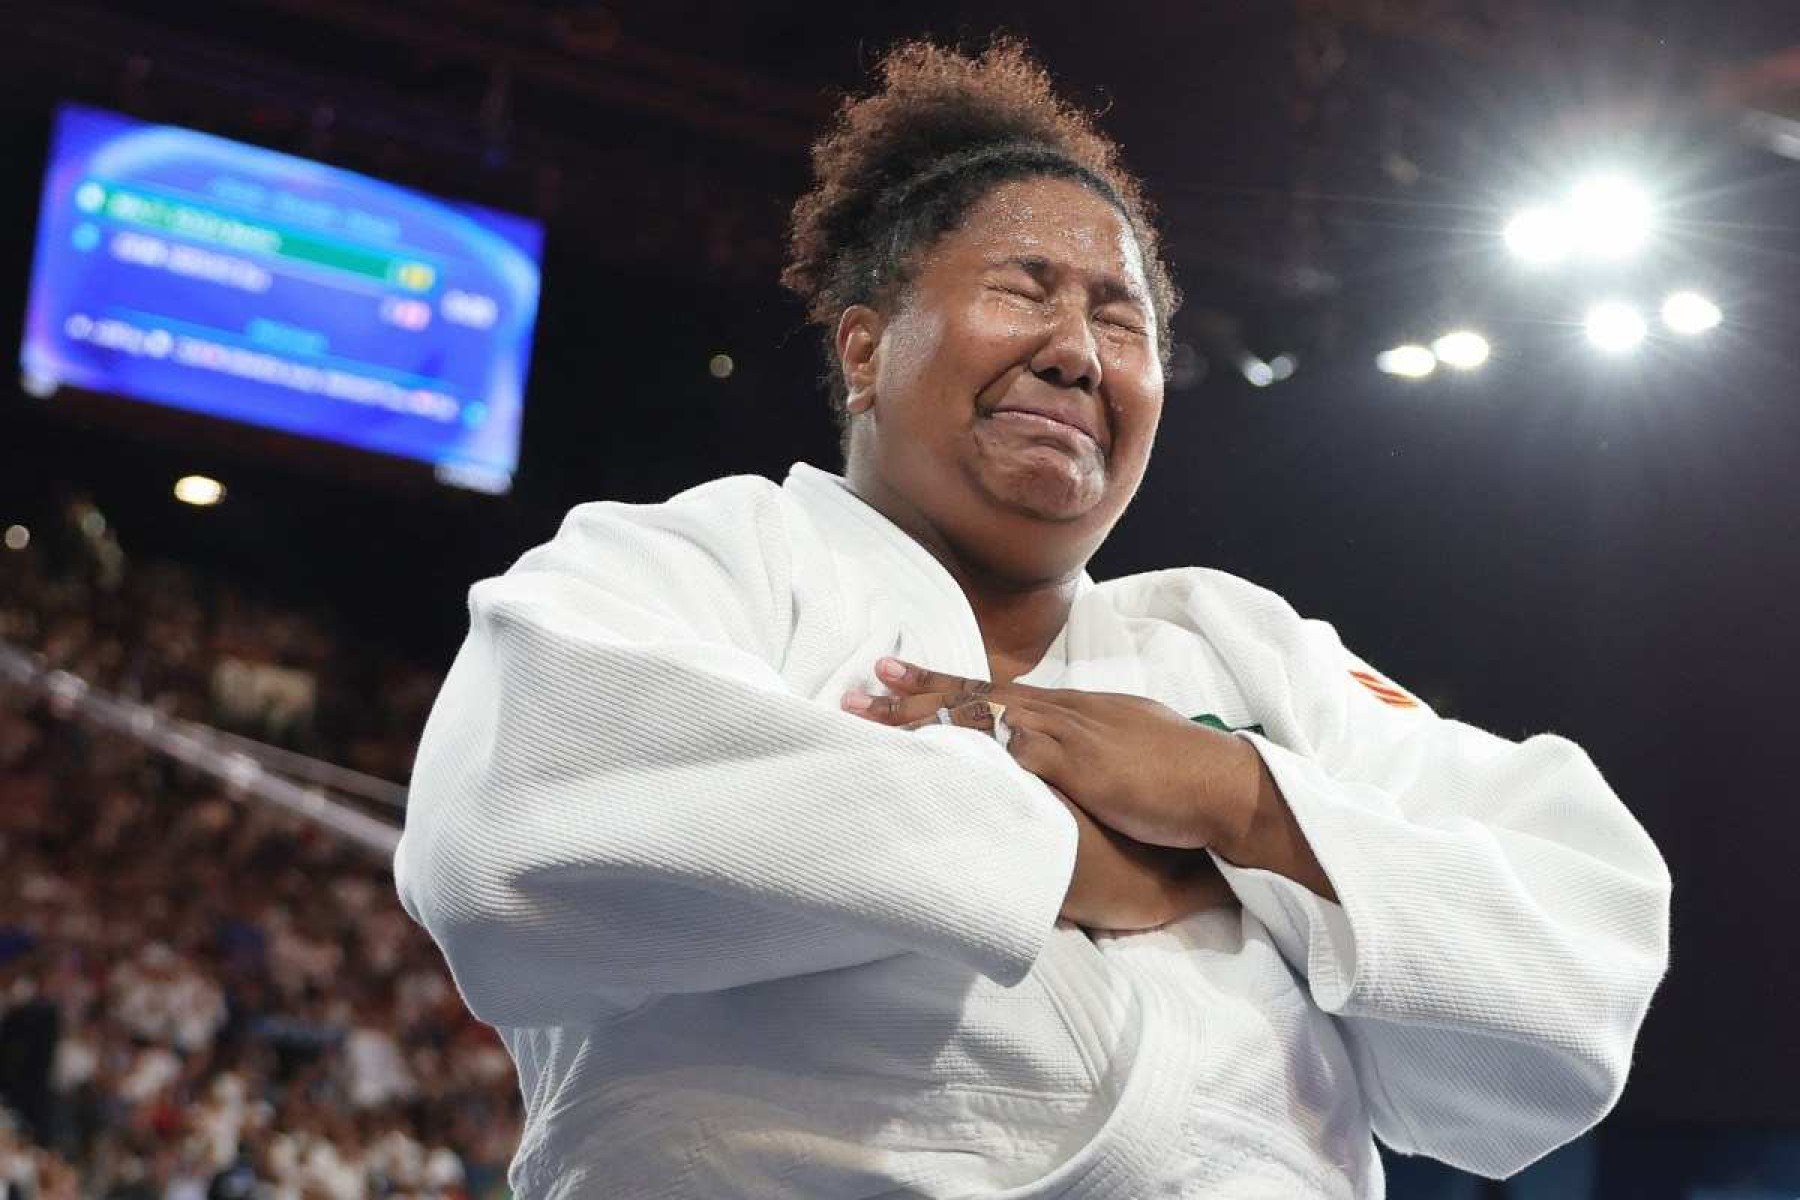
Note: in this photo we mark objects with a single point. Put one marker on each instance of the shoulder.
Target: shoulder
(714, 561)
(1189, 596)
(722, 519)
(717, 507)
(1284, 661)
(724, 535)
(1242, 621)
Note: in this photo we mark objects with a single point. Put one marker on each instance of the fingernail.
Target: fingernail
(890, 668)
(857, 701)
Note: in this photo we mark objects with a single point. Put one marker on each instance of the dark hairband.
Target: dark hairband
(1024, 152)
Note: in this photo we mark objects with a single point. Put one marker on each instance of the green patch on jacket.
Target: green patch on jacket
(1212, 722)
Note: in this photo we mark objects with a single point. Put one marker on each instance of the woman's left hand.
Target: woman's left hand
(1136, 766)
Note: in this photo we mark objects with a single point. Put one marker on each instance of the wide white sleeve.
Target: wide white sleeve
(618, 797)
(1502, 919)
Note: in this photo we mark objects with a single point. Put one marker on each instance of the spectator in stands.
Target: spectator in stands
(193, 951)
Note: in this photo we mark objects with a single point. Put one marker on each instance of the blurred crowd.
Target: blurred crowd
(200, 997)
(211, 650)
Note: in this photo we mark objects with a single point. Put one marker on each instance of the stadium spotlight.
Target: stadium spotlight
(1615, 327)
(1463, 349)
(199, 491)
(1259, 373)
(1606, 217)
(1690, 313)
(1609, 216)
(17, 537)
(1540, 235)
(1408, 362)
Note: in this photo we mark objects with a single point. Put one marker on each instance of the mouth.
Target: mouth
(1064, 425)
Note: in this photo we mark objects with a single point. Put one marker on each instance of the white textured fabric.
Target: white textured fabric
(742, 944)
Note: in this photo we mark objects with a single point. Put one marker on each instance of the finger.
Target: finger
(1037, 751)
(901, 711)
(913, 679)
(977, 715)
(1044, 717)
(887, 710)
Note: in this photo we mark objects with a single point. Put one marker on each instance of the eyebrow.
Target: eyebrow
(1110, 288)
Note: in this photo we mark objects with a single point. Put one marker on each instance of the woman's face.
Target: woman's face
(1011, 399)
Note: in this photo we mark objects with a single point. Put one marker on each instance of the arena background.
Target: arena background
(1603, 546)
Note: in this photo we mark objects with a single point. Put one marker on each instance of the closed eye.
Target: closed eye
(1035, 295)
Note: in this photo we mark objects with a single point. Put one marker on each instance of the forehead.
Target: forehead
(1058, 220)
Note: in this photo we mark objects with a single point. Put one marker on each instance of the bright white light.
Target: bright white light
(1615, 327)
(720, 366)
(1408, 362)
(1283, 366)
(1463, 349)
(1540, 235)
(1259, 373)
(199, 490)
(17, 537)
(1610, 216)
(1690, 312)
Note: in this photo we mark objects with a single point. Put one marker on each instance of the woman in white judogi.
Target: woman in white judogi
(843, 838)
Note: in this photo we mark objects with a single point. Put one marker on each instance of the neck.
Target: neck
(1018, 624)
(1018, 617)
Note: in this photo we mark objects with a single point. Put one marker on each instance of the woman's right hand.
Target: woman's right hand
(1122, 885)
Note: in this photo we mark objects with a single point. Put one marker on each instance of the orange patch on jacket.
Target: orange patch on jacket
(1384, 691)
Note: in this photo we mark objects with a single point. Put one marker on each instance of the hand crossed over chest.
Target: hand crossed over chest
(1150, 790)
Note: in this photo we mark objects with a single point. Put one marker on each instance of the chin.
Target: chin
(1047, 484)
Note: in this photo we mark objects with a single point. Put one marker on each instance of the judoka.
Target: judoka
(844, 838)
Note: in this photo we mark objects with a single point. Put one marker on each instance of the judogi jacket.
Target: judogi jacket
(741, 943)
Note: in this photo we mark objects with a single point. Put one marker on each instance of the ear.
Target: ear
(858, 341)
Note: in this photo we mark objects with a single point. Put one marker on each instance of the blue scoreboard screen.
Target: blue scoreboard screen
(187, 270)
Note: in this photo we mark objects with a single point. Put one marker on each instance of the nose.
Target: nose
(1069, 356)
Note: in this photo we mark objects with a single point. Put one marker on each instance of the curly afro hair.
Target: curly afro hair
(902, 167)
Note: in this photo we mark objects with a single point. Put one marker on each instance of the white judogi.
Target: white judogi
(743, 944)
